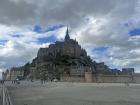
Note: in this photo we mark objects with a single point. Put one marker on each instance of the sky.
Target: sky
(109, 30)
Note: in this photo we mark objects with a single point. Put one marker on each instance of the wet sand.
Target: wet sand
(74, 94)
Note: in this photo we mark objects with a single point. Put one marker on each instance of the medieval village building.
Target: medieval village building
(13, 74)
(68, 61)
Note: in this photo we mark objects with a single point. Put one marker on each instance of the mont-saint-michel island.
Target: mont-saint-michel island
(69, 52)
(67, 61)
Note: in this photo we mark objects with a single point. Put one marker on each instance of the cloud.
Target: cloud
(95, 24)
(70, 12)
(21, 44)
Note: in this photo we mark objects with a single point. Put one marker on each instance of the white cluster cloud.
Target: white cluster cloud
(18, 50)
(94, 23)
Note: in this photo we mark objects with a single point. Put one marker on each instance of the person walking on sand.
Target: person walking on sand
(41, 80)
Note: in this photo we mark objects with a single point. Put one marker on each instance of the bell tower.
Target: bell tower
(67, 37)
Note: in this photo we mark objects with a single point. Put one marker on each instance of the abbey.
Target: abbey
(68, 47)
(59, 59)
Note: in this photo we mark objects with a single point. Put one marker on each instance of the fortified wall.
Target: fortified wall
(92, 78)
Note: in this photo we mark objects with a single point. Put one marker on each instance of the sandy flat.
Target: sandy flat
(34, 93)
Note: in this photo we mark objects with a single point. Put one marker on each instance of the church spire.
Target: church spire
(67, 37)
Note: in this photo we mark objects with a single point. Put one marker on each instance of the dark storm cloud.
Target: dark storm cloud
(14, 13)
(72, 12)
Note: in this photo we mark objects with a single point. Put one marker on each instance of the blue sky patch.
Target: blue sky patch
(2, 42)
(47, 39)
(54, 28)
(100, 49)
(38, 28)
(135, 32)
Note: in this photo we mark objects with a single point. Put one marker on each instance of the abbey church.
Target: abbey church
(68, 48)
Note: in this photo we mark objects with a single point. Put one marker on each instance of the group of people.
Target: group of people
(13, 82)
(43, 81)
(16, 81)
(2, 82)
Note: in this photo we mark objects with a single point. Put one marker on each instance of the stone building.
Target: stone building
(16, 73)
(128, 71)
(68, 47)
(101, 68)
(13, 74)
(6, 75)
